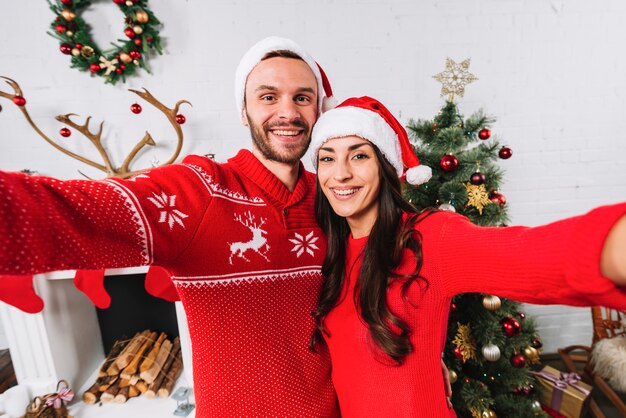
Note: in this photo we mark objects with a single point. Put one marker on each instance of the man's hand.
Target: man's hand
(446, 383)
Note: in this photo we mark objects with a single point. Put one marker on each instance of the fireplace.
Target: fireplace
(67, 339)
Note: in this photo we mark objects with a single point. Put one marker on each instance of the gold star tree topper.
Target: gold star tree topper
(454, 79)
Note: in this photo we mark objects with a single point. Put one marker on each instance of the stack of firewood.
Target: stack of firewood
(144, 365)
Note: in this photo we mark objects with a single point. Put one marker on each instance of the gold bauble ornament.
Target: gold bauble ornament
(138, 29)
(68, 15)
(453, 376)
(87, 51)
(75, 52)
(532, 355)
(536, 406)
(129, 3)
(488, 413)
(141, 16)
(125, 58)
(492, 302)
(69, 33)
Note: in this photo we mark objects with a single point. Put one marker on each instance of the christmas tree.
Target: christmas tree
(490, 342)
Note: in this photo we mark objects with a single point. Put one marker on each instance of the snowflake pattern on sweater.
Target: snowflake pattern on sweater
(226, 233)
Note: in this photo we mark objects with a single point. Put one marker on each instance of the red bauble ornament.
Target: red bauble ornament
(453, 307)
(484, 133)
(135, 108)
(137, 41)
(19, 100)
(135, 54)
(65, 132)
(94, 68)
(477, 178)
(66, 49)
(61, 28)
(511, 326)
(79, 46)
(518, 361)
(119, 1)
(129, 32)
(521, 315)
(180, 119)
(536, 343)
(449, 163)
(66, 2)
(497, 197)
(505, 153)
(119, 70)
(458, 353)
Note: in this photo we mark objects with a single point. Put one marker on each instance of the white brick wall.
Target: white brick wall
(552, 72)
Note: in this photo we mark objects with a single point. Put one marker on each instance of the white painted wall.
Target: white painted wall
(552, 72)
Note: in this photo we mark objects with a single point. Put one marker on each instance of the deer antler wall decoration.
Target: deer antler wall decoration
(95, 138)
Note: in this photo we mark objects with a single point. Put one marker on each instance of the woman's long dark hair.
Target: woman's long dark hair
(382, 255)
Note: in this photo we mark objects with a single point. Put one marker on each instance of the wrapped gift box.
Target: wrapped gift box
(564, 393)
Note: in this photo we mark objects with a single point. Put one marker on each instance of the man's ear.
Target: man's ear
(244, 118)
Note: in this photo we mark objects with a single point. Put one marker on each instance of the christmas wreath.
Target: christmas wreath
(124, 58)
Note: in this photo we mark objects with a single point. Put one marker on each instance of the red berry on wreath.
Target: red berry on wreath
(19, 100)
(453, 307)
(505, 153)
(149, 39)
(129, 32)
(65, 132)
(135, 54)
(119, 70)
(65, 48)
(135, 108)
(484, 133)
(449, 163)
(180, 119)
(518, 361)
(94, 68)
(61, 28)
(137, 41)
(66, 2)
(79, 46)
(477, 178)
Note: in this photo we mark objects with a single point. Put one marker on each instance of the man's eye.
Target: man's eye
(267, 98)
(303, 99)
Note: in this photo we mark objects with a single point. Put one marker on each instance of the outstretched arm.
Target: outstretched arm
(613, 259)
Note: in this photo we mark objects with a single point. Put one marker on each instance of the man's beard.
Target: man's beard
(293, 152)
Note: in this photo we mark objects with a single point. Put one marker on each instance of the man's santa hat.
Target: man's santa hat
(367, 118)
(255, 54)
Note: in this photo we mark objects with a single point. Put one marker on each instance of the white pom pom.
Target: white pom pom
(418, 175)
(329, 103)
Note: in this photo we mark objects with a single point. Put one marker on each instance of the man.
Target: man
(239, 239)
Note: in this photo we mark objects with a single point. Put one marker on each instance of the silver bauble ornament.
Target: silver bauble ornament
(491, 352)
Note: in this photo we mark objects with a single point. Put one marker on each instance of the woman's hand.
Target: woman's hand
(613, 259)
(446, 383)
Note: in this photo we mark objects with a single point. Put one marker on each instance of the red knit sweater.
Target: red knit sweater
(557, 263)
(244, 253)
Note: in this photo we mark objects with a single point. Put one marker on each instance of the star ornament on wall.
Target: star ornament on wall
(454, 79)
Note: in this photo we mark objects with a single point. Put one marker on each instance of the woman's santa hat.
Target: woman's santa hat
(367, 118)
(255, 54)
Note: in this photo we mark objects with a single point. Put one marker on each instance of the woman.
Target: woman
(392, 271)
